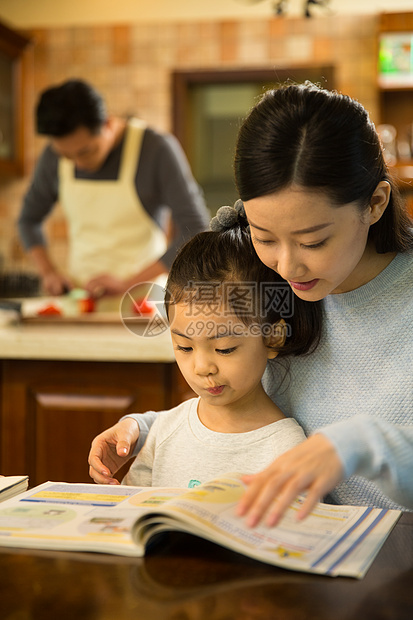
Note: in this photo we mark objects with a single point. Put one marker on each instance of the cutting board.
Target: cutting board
(30, 308)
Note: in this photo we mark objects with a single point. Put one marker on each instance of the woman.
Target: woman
(324, 213)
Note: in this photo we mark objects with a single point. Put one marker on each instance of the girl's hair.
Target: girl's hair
(319, 139)
(222, 267)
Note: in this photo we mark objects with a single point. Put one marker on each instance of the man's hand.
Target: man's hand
(111, 449)
(54, 283)
(312, 467)
(105, 285)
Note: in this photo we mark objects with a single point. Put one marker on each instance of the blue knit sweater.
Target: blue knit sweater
(358, 387)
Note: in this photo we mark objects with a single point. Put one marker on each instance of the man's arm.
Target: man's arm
(165, 179)
(39, 200)
(37, 205)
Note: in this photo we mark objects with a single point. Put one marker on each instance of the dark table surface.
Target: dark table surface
(189, 579)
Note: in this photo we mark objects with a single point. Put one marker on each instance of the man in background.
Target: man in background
(116, 180)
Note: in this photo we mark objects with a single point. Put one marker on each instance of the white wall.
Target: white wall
(49, 13)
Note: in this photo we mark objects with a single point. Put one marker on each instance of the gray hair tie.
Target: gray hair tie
(227, 217)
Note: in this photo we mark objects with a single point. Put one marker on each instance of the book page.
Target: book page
(75, 517)
(115, 519)
(332, 540)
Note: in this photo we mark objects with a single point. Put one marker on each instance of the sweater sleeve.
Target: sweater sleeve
(145, 421)
(39, 200)
(378, 450)
(178, 190)
(140, 472)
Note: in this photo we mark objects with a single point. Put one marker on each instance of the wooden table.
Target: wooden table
(190, 579)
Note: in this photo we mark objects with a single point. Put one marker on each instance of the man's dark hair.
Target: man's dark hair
(62, 109)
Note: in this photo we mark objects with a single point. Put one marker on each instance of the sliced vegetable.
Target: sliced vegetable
(144, 306)
(49, 310)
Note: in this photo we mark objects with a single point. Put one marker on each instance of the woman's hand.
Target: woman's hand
(313, 467)
(111, 449)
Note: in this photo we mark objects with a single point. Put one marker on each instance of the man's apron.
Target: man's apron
(109, 230)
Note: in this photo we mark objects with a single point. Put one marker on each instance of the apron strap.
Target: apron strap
(131, 151)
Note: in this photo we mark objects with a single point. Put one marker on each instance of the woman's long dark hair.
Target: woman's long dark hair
(228, 256)
(319, 139)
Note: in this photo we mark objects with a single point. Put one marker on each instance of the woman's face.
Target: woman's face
(318, 248)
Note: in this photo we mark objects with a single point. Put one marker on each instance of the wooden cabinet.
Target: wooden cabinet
(51, 410)
(15, 67)
(395, 83)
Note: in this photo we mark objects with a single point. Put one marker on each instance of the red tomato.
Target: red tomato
(86, 305)
(143, 306)
(49, 310)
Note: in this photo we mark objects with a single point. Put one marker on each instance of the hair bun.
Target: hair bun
(227, 217)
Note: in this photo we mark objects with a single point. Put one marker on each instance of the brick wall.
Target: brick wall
(131, 66)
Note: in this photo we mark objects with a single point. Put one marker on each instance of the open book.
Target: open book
(123, 520)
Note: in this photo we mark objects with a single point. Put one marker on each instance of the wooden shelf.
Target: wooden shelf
(396, 22)
(395, 87)
(395, 100)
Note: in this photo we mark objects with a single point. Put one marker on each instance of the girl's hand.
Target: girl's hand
(111, 449)
(312, 467)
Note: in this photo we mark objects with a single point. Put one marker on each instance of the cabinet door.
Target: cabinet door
(51, 411)
(15, 111)
(7, 120)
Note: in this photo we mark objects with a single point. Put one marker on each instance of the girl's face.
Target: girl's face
(220, 357)
(318, 248)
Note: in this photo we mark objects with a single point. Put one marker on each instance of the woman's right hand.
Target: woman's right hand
(112, 449)
(312, 467)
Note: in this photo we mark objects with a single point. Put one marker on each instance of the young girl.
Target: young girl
(225, 312)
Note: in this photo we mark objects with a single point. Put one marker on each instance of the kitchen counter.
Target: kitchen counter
(61, 384)
(82, 342)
